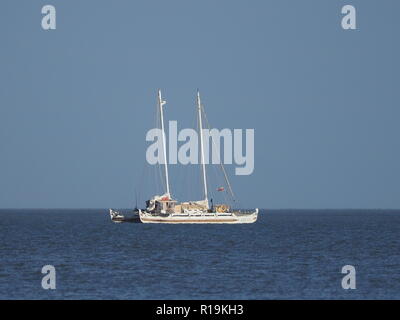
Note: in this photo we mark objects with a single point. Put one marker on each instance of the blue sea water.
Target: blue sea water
(286, 254)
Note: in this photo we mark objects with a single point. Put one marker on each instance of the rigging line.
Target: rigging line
(221, 181)
(140, 182)
(190, 174)
(147, 182)
(222, 166)
(136, 200)
(218, 175)
(145, 172)
(224, 193)
(179, 182)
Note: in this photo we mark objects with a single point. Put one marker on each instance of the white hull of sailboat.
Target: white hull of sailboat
(205, 218)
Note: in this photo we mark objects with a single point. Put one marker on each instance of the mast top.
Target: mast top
(162, 102)
(198, 99)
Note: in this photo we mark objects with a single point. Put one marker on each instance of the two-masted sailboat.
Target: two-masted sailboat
(165, 209)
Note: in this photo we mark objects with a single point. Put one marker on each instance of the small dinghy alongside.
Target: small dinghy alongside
(118, 217)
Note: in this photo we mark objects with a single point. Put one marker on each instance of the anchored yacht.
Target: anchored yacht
(165, 209)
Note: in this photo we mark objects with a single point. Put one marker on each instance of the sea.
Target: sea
(286, 254)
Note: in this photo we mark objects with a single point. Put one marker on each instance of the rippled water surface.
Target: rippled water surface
(286, 254)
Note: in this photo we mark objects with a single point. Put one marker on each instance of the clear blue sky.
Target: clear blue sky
(76, 102)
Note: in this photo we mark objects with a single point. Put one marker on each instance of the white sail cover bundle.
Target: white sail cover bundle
(201, 204)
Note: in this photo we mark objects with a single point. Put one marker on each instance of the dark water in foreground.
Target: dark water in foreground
(285, 254)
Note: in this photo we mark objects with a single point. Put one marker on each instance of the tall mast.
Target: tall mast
(161, 103)
(202, 148)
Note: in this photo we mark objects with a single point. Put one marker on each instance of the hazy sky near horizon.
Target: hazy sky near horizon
(76, 102)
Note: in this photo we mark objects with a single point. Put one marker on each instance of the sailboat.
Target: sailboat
(165, 209)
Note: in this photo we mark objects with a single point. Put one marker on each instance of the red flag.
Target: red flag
(221, 189)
